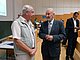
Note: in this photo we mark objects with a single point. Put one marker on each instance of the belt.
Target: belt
(33, 47)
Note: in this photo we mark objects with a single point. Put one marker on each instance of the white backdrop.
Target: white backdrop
(14, 7)
(59, 6)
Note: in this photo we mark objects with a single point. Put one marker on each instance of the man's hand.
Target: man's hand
(49, 37)
(76, 27)
(32, 52)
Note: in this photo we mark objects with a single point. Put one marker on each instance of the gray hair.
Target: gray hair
(50, 9)
(27, 8)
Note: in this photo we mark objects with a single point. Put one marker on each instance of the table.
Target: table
(9, 47)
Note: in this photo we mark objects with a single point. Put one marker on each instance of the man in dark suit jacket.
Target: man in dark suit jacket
(52, 32)
(72, 26)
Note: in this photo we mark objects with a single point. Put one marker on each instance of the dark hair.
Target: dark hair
(76, 13)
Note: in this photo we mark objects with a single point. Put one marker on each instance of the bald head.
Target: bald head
(50, 14)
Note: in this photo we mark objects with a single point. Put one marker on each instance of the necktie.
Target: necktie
(49, 27)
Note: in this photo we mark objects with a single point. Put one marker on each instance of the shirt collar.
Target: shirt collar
(23, 19)
(51, 21)
(74, 19)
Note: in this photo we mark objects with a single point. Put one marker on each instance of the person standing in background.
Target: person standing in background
(52, 32)
(72, 25)
(35, 21)
(23, 34)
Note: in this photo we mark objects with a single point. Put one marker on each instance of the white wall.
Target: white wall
(59, 6)
(18, 4)
(14, 7)
(17, 7)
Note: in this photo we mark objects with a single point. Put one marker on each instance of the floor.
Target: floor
(38, 53)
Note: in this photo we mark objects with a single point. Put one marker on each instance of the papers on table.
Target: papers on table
(7, 45)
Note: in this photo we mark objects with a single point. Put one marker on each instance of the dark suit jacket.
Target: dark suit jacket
(52, 48)
(70, 27)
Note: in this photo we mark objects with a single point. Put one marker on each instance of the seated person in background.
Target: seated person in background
(40, 23)
(35, 20)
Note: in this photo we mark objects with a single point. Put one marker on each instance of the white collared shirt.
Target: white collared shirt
(74, 25)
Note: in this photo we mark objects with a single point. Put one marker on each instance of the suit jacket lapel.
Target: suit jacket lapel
(77, 23)
(72, 22)
(46, 27)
